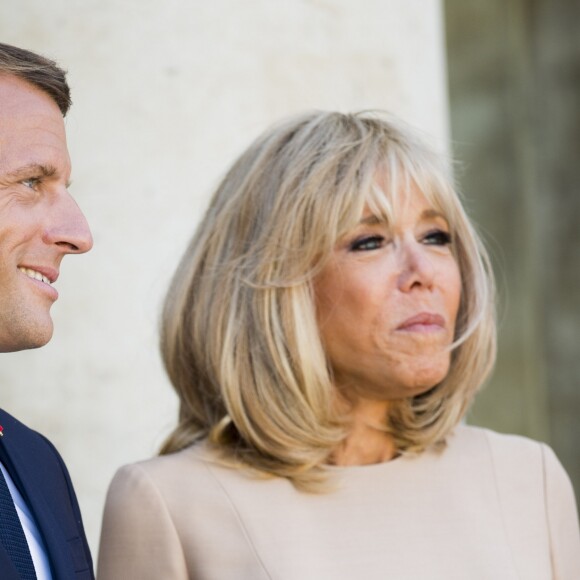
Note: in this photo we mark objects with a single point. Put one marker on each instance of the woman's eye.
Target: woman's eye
(437, 238)
(367, 243)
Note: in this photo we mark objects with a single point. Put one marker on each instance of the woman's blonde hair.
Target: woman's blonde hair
(239, 335)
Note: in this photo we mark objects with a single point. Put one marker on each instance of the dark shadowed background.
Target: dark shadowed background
(514, 81)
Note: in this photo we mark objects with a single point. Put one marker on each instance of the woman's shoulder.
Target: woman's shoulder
(472, 438)
(185, 488)
(501, 445)
(506, 452)
(195, 476)
(166, 516)
(518, 463)
(532, 489)
(189, 466)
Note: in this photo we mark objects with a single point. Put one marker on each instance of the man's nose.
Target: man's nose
(416, 267)
(67, 226)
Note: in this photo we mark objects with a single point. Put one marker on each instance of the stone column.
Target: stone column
(165, 95)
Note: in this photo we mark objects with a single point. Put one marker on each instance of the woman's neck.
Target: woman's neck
(366, 442)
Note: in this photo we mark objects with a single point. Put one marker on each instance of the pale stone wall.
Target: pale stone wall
(165, 95)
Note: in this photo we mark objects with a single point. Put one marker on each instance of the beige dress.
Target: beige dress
(490, 507)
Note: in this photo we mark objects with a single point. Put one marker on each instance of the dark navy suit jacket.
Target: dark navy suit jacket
(43, 480)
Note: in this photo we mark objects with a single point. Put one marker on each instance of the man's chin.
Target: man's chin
(32, 338)
(41, 339)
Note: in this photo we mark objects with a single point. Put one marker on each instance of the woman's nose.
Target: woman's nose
(416, 267)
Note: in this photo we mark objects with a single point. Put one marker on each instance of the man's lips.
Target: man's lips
(423, 322)
(42, 273)
(42, 277)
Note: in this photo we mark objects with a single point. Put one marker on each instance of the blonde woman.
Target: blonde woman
(326, 331)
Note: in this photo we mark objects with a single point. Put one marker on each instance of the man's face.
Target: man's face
(39, 220)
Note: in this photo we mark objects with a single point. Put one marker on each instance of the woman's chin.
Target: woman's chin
(421, 380)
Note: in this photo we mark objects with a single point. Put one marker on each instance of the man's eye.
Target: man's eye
(367, 243)
(31, 182)
(438, 238)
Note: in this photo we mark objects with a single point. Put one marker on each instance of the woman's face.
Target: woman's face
(387, 301)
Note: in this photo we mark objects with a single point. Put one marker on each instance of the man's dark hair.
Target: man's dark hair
(39, 71)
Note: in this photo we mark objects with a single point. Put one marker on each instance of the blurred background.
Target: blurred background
(167, 94)
(514, 90)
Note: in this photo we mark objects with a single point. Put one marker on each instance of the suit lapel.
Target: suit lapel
(29, 483)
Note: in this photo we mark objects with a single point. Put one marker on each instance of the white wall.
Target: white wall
(165, 95)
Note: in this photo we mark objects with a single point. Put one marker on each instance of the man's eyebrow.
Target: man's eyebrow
(33, 169)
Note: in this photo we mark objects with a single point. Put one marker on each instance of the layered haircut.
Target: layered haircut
(39, 71)
(239, 336)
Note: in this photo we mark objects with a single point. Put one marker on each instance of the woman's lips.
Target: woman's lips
(423, 322)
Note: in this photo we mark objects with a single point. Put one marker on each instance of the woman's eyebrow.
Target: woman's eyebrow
(432, 213)
(426, 214)
(371, 220)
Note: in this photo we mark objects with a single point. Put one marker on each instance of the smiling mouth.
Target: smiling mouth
(35, 275)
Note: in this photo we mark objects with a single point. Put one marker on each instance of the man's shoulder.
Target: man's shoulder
(43, 479)
(31, 457)
(9, 422)
(24, 437)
